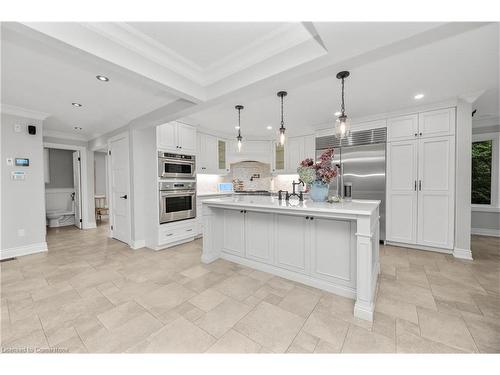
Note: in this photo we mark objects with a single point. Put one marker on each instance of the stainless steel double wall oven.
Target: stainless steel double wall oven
(176, 186)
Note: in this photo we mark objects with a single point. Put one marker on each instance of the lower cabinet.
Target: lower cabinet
(333, 249)
(291, 243)
(258, 236)
(322, 248)
(234, 232)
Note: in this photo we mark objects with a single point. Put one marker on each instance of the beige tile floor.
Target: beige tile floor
(93, 294)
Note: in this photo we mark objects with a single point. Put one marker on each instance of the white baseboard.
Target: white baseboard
(486, 232)
(419, 247)
(89, 225)
(138, 244)
(462, 253)
(23, 250)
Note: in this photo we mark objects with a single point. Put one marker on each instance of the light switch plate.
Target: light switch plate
(18, 128)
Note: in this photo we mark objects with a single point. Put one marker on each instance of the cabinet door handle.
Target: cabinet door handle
(170, 234)
(311, 218)
(420, 133)
(189, 230)
(420, 185)
(416, 134)
(415, 185)
(307, 217)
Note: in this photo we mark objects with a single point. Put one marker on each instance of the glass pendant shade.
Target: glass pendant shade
(342, 126)
(282, 137)
(239, 143)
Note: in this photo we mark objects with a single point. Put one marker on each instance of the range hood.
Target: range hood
(260, 151)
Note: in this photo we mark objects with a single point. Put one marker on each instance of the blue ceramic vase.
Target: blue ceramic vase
(318, 191)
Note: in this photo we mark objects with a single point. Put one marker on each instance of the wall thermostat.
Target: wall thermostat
(22, 162)
(18, 175)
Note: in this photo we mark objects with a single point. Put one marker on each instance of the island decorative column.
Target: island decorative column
(368, 266)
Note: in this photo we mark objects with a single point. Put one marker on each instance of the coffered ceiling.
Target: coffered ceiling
(197, 71)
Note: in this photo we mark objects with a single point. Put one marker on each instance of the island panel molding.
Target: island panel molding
(334, 247)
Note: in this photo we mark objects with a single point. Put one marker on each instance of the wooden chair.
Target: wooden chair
(101, 207)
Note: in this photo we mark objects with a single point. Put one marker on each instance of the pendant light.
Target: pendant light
(343, 124)
(282, 94)
(239, 137)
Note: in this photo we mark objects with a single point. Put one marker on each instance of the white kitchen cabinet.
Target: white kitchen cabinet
(291, 243)
(295, 150)
(211, 155)
(420, 192)
(436, 166)
(402, 161)
(176, 137)
(331, 244)
(258, 236)
(206, 162)
(422, 125)
(402, 128)
(234, 229)
(436, 123)
(294, 153)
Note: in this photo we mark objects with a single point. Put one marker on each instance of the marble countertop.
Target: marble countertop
(214, 194)
(355, 207)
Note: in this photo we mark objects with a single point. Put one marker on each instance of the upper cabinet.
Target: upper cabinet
(296, 149)
(436, 123)
(211, 155)
(176, 137)
(402, 128)
(422, 125)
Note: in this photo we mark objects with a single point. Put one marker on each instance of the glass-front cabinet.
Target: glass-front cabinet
(279, 158)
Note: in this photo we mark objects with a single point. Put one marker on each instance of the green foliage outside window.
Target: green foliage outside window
(481, 172)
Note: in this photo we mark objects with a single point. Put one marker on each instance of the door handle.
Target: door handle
(420, 185)
(124, 196)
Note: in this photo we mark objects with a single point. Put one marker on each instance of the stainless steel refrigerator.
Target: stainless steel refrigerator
(361, 157)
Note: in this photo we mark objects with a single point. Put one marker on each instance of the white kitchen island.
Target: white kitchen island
(330, 246)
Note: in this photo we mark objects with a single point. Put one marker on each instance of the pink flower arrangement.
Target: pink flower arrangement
(322, 171)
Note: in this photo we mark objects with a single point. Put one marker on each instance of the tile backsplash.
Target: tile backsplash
(253, 175)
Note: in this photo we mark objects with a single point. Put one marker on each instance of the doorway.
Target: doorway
(63, 187)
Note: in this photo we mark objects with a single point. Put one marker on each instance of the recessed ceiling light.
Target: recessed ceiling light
(76, 104)
(102, 78)
(269, 127)
(236, 127)
(337, 113)
(419, 96)
(77, 128)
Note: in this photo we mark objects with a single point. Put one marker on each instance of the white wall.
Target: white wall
(23, 202)
(60, 169)
(100, 173)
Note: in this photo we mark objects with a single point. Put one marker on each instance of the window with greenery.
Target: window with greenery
(481, 172)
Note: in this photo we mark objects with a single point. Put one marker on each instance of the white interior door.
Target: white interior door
(436, 210)
(77, 196)
(119, 187)
(402, 191)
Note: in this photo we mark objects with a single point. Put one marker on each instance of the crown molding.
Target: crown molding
(23, 112)
(64, 135)
(136, 41)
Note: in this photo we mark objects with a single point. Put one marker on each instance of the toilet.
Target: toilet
(59, 207)
(60, 218)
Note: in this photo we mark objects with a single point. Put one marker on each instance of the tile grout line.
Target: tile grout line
(302, 326)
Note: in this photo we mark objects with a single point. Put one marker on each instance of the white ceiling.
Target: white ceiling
(206, 43)
(47, 79)
(198, 71)
(442, 70)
